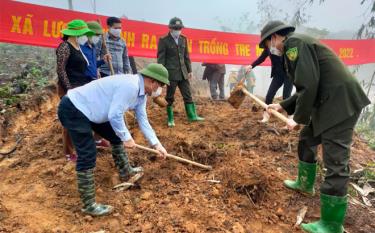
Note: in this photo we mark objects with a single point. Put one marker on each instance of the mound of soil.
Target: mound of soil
(243, 192)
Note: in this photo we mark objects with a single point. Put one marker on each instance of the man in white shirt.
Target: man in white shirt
(99, 106)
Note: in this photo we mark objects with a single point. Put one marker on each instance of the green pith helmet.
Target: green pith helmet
(95, 27)
(77, 27)
(270, 28)
(175, 23)
(157, 72)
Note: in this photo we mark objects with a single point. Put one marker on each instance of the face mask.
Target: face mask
(176, 33)
(274, 50)
(82, 40)
(157, 92)
(95, 39)
(115, 32)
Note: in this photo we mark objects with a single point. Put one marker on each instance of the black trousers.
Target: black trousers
(80, 130)
(184, 87)
(277, 81)
(336, 142)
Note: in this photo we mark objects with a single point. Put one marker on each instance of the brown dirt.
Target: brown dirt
(38, 189)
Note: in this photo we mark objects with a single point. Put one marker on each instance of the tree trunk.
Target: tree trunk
(70, 2)
(94, 6)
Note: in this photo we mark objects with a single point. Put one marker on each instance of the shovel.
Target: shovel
(238, 95)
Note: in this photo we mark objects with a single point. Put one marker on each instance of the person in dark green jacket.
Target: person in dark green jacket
(328, 102)
(174, 55)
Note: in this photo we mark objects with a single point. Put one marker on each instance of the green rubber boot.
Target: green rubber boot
(305, 180)
(86, 189)
(170, 116)
(122, 163)
(191, 113)
(332, 215)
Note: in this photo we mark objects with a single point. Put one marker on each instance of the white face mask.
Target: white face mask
(176, 33)
(95, 39)
(274, 50)
(157, 92)
(115, 32)
(82, 40)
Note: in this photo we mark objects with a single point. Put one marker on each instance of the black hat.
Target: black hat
(272, 27)
(175, 23)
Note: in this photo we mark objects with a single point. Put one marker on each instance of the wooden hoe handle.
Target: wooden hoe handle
(264, 105)
(175, 157)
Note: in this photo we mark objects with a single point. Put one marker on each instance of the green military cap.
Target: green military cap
(157, 72)
(77, 27)
(175, 23)
(270, 28)
(95, 27)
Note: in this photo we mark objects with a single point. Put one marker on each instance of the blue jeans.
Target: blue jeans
(80, 130)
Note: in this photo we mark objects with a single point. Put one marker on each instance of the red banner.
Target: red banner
(23, 23)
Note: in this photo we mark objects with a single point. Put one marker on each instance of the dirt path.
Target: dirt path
(38, 187)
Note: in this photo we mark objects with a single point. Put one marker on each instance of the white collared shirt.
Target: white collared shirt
(107, 99)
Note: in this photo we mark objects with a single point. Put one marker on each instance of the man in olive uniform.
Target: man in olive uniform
(173, 54)
(328, 102)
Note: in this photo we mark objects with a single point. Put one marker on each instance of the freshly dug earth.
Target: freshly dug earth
(38, 190)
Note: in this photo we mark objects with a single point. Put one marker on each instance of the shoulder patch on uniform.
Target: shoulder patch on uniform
(292, 53)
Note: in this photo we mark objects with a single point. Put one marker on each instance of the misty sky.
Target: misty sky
(334, 15)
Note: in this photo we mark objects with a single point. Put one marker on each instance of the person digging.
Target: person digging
(328, 101)
(78, 111)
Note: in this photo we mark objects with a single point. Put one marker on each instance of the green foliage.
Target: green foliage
(366, 126)
(41, 82)
(13, 100)
(7, 96)
(220, 145)
(22, 85)
(31, 78)
(5, 91)
(25, 70)
(369, 171)
(36, 72)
